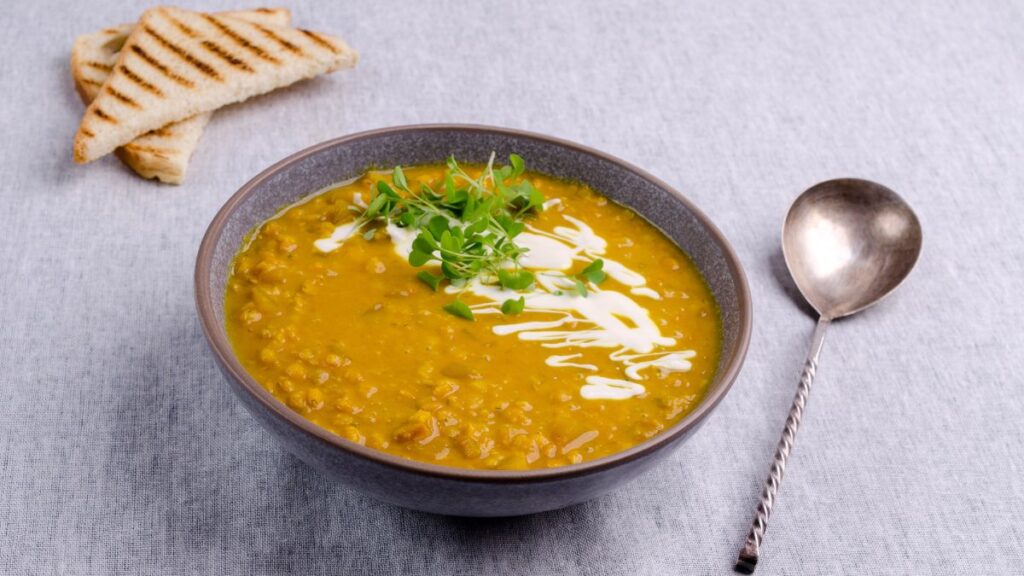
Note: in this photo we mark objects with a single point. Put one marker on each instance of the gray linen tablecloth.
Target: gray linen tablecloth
(122, 452)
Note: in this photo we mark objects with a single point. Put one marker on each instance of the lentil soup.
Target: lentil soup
(601, 335)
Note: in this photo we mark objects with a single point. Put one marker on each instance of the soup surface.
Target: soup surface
(616, 337)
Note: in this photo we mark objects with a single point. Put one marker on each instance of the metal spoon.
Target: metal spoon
(847, 243)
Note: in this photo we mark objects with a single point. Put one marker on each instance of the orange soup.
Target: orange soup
(474, 317)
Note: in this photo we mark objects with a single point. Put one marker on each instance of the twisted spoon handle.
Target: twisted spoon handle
(747, 560)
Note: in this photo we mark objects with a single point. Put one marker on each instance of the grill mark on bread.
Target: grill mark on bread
(182, 53)
(87, 133)
(103, 115)
(121, 96)
(131, 75)
(99, 66)
(319, 40)
(239, 39)
(226, 56)
(284, 43)
(185, 29)
(91, 82)
(162, 152)
(160, 66)
(164, 132)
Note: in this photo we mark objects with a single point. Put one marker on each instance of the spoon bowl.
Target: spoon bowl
(848, 243)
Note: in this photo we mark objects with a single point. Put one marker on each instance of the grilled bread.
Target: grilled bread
(177, 63)
(164, 153)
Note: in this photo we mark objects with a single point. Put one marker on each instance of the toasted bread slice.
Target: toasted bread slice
(164, 153)
(177, 63)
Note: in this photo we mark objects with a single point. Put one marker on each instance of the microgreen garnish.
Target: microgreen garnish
(429, 279)
(515, 280)
(459, 308)
(469, 227)
(513, 306)
(594, 272)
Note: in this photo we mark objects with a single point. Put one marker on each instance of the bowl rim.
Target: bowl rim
(216, 335)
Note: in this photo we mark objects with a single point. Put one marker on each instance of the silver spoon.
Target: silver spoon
(847, 243)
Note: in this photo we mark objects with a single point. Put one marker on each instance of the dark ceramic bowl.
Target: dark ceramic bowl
(443, 489)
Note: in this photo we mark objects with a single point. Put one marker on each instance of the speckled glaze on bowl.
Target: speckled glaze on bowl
(442, 489)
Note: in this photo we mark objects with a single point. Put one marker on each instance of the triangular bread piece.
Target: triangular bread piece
(177, 63)
(164, 153)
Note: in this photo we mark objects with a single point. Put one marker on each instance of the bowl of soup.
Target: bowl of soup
(470, 320)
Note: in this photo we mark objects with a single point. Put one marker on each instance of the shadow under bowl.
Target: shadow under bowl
(442, 489)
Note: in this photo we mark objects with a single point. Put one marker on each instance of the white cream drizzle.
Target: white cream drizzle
(402, 238)
(605, 318)
(563, 362)
(665, 363)
(544, 253)
(602, 319)
(645, 291)
(337, 238)
(601, 388)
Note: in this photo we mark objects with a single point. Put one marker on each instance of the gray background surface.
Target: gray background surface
(122, 452)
